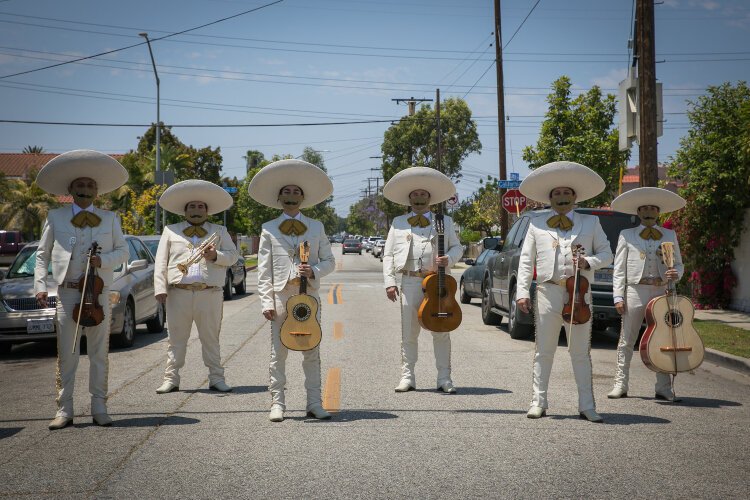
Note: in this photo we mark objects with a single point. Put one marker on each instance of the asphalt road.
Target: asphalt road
(477, 443)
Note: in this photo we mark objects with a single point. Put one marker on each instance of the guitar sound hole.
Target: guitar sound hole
(673, 318)
(301, 312)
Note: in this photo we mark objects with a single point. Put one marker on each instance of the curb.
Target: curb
(251, 268)
(728, 360)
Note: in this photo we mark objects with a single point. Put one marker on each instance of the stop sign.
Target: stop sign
(514, 201)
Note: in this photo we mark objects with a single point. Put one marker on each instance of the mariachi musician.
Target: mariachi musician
(67, 237)
(640, 275)
(291, 185)
(410, 253)
(189, 274)
(549, 249)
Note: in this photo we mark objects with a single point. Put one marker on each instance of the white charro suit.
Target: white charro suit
(278, 258)
(549, 250)
(204, 307)
(403, 248)
(638, 269)
(65, 247)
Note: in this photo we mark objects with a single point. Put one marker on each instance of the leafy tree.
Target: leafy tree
(25, 206)
(33, 150)
(481, 212)
(580, 130)
(140, 218)
(204, 164)
(360, 220)
(714, 163)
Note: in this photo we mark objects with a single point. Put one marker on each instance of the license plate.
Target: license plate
(40, 325)
(603, 276)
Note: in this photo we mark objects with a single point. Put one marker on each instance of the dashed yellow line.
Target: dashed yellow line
(338, 330)
(332, 390)
(339, 300)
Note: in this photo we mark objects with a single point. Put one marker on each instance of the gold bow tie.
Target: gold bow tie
(651, 233)
(561, 221)
(418, 220)
(84, 218)
(292, 227)
(191, 231)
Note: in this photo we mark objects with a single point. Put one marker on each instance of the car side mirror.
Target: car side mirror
(491, 243)
(137, 265)
(469, 262)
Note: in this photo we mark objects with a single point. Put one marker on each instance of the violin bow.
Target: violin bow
(83, 293)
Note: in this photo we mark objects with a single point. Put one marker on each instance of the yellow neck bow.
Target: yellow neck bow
(561, 221)
(84, 218)
(418, 220)
(292, 227)
(651, 233)
(191, 231)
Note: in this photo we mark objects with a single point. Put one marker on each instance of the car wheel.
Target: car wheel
(228, 290)
(488, 317)
(464, 297)
(516, 329)
(156, 324)
(126, 337)
(242, 287)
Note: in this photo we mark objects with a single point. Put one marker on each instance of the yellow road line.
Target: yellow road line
(332, 390)
(338, 330)
(339, 300)
(331, 292)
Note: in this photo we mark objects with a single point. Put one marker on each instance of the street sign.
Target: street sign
(508, 184)
(514, 201)
(230, 189)
(515, 176)
(452, 200)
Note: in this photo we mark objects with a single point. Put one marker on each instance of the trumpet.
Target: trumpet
(197, 254)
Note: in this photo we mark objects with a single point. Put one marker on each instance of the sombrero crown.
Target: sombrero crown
(439, 185)
(55, 177)
(540, 182)
(266, 184)
(629, 201)
(178, 195)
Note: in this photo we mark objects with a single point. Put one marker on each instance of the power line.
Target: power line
(521, 25)
(230, 125)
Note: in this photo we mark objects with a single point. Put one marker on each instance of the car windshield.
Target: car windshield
(152, 245)
(23, 265)
(613, 223)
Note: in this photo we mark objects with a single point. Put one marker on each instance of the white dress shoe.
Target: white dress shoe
(318, 412)
(591, 416)
(166, 387)
(102, 419)
(617, 393)
(60, 423)
(277, 414)
(405, 386)
(447, 387)
(667, 396)
(536, 412)
(220, 386)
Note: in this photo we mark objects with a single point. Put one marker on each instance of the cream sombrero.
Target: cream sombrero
(437, 184)
(178, 195)
(55, 177)
(629, 201)
(266, 184)
(540, 182)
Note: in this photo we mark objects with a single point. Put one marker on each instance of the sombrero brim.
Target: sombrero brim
(55, 177)
(629, 201)
(439, 185)
(266, 184)
(178, 195)
(540, 182)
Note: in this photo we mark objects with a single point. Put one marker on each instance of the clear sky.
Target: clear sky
(310, 61)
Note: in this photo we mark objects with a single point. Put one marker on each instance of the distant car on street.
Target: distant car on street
(377, 248)
(351, 246)
(470, 285)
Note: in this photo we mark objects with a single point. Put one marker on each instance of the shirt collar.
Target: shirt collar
(296, 217)
(427, 214)
(77, 209)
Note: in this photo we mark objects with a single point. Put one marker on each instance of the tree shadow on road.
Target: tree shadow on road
(149, 421)
(619, 419)
(699, 402)
(10, 431)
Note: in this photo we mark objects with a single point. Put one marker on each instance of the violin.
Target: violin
(576, 311)
(89, 312)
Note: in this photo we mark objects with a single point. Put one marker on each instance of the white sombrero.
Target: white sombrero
(437, 184)
(55, 177)
(266, 184)
(178, 195)
(629, 201)
(540, 182)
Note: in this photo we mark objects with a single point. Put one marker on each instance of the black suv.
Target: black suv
(499, 283)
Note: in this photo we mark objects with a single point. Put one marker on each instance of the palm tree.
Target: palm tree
(26, 205)
(33, 150)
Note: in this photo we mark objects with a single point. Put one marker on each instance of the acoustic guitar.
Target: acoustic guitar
(439, 311)
(301, 330)
(671, 344)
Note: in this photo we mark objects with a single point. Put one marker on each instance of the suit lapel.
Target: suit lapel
(577, 228)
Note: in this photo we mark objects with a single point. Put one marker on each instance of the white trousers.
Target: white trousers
(637, 298)
(550, 299)
(411, 299)
(277, 367)
(206, 309)
(97, 348)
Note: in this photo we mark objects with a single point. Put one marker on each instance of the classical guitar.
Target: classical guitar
(671, 344)
(301, 329)
(439, 311)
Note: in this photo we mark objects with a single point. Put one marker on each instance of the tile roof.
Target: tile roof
(18, 164)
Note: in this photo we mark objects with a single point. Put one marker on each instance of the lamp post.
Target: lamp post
(158, 130)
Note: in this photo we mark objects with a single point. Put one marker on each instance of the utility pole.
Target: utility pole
(500, 113)
(412, 103)
(647, 157)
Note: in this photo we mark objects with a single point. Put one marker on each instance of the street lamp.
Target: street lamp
(158, 128)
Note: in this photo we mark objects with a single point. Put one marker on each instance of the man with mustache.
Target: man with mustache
(548, 251)
(67, 236)
(640, 275)
(410, 251)
(280, 268)
(196, 295)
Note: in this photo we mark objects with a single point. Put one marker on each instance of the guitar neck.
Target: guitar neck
(441, 252)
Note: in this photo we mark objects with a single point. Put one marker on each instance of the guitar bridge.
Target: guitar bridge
(675, 349)
(300, 333)
(442, 315)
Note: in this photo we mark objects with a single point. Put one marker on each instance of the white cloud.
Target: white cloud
(611, 80)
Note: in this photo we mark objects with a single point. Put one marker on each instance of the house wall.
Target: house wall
(741, 268)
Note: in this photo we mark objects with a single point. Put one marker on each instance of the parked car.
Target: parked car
(470, 285)
(131, 295)
(11, 242)
(377, 248)
(351, 246)
(498, 286)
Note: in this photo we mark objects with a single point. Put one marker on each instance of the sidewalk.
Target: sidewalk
(736, 319)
